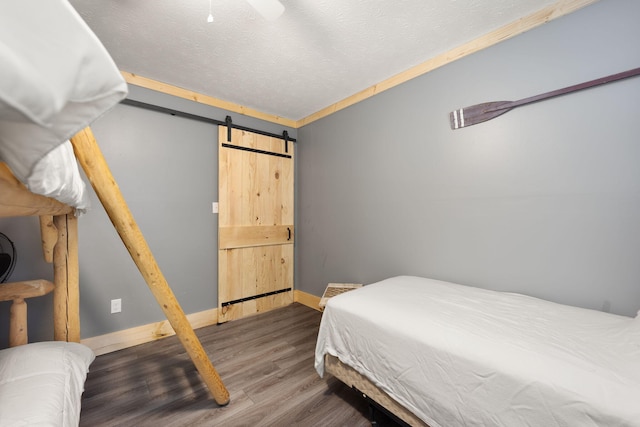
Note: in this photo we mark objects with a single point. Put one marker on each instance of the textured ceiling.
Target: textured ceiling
(318, 52)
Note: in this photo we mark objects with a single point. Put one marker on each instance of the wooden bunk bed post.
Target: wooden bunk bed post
(60, 246)
(49, 237)
(95, 167)
(66, 297)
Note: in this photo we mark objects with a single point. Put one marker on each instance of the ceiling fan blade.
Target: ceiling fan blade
(269, 9)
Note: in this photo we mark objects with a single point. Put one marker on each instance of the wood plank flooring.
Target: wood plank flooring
(265, 361)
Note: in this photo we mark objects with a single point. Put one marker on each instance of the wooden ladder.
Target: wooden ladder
(95, 167)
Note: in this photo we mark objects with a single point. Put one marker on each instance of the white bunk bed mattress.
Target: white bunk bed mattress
(41, 383)
(56, 78)
(462, 356)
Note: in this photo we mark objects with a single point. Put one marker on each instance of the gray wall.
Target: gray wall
(544, 200)
(167, 170)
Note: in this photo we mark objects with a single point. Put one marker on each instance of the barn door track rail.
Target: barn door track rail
(479, 113)
(226, 122)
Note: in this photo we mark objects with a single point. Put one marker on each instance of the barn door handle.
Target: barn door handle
(288, 233)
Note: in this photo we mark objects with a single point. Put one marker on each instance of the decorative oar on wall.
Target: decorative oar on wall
(479, 113)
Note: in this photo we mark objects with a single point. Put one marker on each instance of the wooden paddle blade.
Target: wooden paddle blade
(479, 113)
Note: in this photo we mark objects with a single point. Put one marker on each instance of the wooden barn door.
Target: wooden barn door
(255, 228)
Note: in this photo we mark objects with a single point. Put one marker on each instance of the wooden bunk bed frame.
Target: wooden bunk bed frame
(59, 230)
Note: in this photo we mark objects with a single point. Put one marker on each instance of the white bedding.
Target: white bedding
(464, 356)
(55, 79)
(41, 384)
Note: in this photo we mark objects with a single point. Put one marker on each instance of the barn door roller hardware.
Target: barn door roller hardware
(228, 122)
(285, 136)
(479, 113)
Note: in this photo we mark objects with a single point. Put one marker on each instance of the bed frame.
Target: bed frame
(59, 230)
(370, 391)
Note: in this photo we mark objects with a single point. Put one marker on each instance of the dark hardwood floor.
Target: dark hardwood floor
(265, 361)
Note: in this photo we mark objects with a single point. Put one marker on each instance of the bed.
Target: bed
(42, 383)
(448, 355)
(56, 79)
(51, 87)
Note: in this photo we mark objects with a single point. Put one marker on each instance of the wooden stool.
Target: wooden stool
(18, 292)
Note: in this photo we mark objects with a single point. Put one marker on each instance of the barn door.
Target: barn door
(255, 224)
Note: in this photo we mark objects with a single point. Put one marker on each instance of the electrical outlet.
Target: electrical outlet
(116, 305)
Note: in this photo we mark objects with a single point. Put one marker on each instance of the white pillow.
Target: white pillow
(42, 383)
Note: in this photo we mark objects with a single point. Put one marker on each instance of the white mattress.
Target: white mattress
(41, 384)
(464, 356)
(56, 78)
